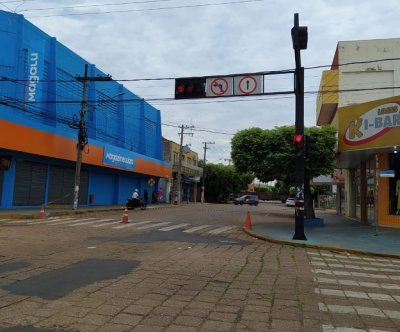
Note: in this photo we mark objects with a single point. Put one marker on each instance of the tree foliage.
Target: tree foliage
(222, 180)
(269, 153)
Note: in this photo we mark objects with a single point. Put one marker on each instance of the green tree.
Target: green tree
(222, 180)
(269, 155)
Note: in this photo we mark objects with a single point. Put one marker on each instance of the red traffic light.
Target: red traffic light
(191, 87)
(297, 138)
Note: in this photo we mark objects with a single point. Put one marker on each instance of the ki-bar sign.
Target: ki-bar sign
(220, 86)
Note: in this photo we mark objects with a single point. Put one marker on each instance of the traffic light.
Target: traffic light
(188, 88)
(298, 143)
(300, 38)
(311, 146)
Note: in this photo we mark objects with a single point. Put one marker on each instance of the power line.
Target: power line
(94, 5)
(150, 9)
(266, 73)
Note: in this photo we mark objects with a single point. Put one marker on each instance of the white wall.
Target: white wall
(370, 75)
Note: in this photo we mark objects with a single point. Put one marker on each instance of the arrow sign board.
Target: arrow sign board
(248, 85)
(219, 86)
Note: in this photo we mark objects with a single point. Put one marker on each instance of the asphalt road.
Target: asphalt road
(188, 268)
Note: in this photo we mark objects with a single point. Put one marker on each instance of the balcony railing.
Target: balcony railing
(188, 169)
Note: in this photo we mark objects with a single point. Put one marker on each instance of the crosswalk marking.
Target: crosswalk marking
(50, 221)
(331, 328)
(354, 267)
(170, 228)
(153, 225)
(221, 230)
(132, 224)
(70, 221)
(353, 294)
(360, 310)
(347, 282)
(117, 224)
(90, 222)
(195, 229)
(356, 274)
(358, 261)
(107, 224)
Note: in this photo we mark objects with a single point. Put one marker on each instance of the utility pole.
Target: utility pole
(229, 161)
(179, 185)
(82, 132)
(203, 187)
(299, 39)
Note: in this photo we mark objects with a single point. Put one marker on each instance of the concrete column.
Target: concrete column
(350, 193)
(363, 193)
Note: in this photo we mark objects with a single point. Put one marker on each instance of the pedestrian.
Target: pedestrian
(146, 196)
(135, 194)
(160, 195)
(154, 196)
(187, 195)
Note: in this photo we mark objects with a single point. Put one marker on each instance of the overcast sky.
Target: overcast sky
(142, 39)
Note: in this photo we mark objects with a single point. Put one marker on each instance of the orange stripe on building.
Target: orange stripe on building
(29, 140)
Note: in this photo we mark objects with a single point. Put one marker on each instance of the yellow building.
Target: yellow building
(190, 172)
(360, 95)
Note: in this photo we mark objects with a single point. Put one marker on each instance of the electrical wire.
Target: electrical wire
(150, 9)
(94, 5)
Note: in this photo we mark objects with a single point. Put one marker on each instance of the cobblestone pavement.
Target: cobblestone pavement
(180, 276)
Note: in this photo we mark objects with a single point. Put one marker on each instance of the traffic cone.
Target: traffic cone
(247, 223)
(42, 214)
(125, 216)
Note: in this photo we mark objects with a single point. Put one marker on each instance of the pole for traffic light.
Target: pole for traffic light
(203, 187)
(299, 130)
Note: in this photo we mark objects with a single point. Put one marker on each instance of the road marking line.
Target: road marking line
(353, 294)
(366, 311)
(71, 221)
(221, 230)
(348, 256)
(346, 282)
(170, 228)
(195, 229)
(354, 267)
(52, 221)
(331, 328)
(355, 274)
(359, 261)
(107, 223)
(154, 225)
(132, 224)
(90, 222)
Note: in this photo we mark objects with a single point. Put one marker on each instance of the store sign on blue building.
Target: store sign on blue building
(118, 157)
(35, 71)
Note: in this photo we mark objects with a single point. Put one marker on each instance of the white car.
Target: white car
(291, 201)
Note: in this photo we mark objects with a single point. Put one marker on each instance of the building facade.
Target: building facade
(42, 95)
(191, 173)
(360, 96)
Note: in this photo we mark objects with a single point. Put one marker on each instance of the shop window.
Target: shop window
(394, 184)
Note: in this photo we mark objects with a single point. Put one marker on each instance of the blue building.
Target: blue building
(41, 93)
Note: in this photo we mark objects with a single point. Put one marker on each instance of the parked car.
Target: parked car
(291, 201)
(247, 199)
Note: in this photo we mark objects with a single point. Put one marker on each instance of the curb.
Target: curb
(70, 212)
(317, 246)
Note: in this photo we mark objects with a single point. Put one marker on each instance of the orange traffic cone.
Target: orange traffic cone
(42, 214)
(247, 223)
(125, 216)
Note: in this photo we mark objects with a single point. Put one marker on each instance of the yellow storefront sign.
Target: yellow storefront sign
(375, 124)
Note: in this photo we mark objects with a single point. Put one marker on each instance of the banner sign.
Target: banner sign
(369, 125)
(118, 157)
(35, 71)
